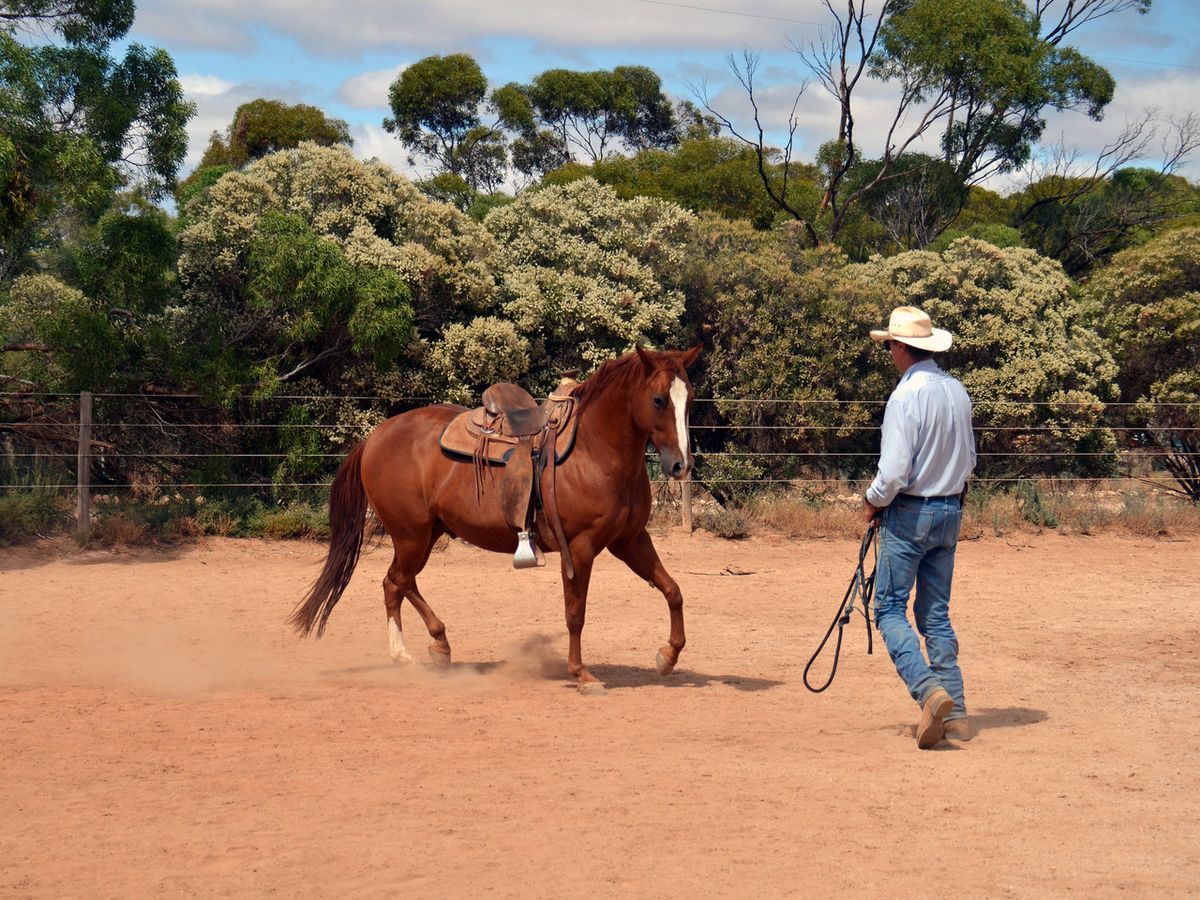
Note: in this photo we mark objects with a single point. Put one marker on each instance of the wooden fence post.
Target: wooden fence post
(686, 504)
(83, 469)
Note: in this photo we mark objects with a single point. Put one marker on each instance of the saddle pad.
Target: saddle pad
(461, 437)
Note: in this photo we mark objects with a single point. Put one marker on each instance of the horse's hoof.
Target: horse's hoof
(593, 689)
(439, 657)
(402, 659)
(664, 665)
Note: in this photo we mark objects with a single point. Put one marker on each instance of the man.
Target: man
(926, 453)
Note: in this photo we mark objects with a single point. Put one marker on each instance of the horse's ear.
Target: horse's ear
(690, 356)
(647, 362)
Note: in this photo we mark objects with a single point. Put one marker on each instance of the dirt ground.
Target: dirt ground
(164, 734)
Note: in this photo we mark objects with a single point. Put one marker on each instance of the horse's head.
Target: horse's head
(663, 407)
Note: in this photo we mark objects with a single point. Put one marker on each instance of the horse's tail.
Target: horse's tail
(347, 516)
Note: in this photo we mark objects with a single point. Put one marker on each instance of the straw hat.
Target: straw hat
(912, 326)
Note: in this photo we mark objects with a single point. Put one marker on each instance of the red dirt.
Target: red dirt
(164, 733)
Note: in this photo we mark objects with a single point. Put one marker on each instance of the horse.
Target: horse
(419, 493)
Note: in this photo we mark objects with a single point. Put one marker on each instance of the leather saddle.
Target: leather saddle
(527, 439)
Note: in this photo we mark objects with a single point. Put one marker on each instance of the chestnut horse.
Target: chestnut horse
(419, 492)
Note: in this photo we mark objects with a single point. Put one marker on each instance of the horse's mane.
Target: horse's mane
(615, 371)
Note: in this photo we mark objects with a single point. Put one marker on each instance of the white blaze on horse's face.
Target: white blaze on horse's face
(679, 396)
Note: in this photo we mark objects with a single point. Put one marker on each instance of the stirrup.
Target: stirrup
(528, 556)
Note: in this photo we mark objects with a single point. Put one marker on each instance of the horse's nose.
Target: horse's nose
(677, 470)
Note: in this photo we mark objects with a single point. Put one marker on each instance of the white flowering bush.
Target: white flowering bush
(1025, 346)
(584, 275)
(374, 215)
(470, 357)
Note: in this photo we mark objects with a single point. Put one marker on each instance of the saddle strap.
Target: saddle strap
(551, 504)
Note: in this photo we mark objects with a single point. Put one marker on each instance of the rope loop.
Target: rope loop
(861, 586)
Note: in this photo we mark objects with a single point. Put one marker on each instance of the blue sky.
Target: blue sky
(341, 56)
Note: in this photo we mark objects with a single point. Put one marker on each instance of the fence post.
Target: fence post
(83, 469)
(686, 504)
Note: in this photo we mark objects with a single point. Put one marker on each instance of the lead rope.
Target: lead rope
(861, 585)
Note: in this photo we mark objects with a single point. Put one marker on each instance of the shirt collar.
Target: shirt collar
(925, 365)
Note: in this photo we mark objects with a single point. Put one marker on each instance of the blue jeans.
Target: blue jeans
(917, 540)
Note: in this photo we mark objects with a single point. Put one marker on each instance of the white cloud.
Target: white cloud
(198, 86)
(372, 142)
(326, 28)
(368, 90)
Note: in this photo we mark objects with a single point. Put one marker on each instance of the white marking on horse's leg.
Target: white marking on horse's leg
(396, 643)
(679, 399)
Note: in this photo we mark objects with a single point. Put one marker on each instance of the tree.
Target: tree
(704, 173)
(1081, 213)
(313, 238)
(435, 112)
(262, 127)
(979, 75)
(78, 123)
(1148, 303)
(589, 112)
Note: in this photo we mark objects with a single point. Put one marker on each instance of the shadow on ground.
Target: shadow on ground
(616, 677)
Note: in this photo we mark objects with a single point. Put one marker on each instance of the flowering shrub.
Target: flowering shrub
(1025, 347)
(585, 276)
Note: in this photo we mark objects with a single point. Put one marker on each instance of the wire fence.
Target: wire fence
(855, 464)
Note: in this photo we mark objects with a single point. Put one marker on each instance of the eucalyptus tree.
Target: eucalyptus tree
(76, 121)
(975, 78)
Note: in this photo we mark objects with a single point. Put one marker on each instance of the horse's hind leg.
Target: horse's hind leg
(639, 554)
(393, 596)
(401, 583)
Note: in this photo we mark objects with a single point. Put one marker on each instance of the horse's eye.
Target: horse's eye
(659, 401)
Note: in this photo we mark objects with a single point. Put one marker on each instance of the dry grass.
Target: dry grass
(120, 531)
(1138, 510)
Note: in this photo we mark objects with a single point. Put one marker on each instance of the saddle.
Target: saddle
(527, 439)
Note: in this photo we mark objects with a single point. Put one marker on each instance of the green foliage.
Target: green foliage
(435, 112)
(989, 61)
(127, 260)
(589, 111)
(78, 122)
(31, 505)
(993, 233)
(787, 324)
(262, 127)
(1148, 302)
(920, 196)
(1082, 222)
(75, 346)
(703, 174)
(1033, 509)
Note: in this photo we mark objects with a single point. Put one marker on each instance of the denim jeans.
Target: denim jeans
(917, 540)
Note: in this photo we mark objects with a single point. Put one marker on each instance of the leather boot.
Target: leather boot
(931, 729)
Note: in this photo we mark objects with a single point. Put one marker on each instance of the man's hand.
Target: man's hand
(870, 511)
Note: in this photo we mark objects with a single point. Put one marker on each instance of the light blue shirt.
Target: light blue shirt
(928, 445)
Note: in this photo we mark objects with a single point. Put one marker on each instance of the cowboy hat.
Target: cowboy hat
(912, 326)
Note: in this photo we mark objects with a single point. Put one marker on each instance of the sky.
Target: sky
(341, 56)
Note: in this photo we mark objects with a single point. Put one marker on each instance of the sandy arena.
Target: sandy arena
(166, 735)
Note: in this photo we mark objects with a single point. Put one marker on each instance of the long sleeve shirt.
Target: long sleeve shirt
(928, 445)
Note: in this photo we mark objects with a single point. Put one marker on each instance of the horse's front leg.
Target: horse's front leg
(575, 591)
(639, 554)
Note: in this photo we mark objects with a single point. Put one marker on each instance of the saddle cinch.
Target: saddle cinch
(527, 439)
